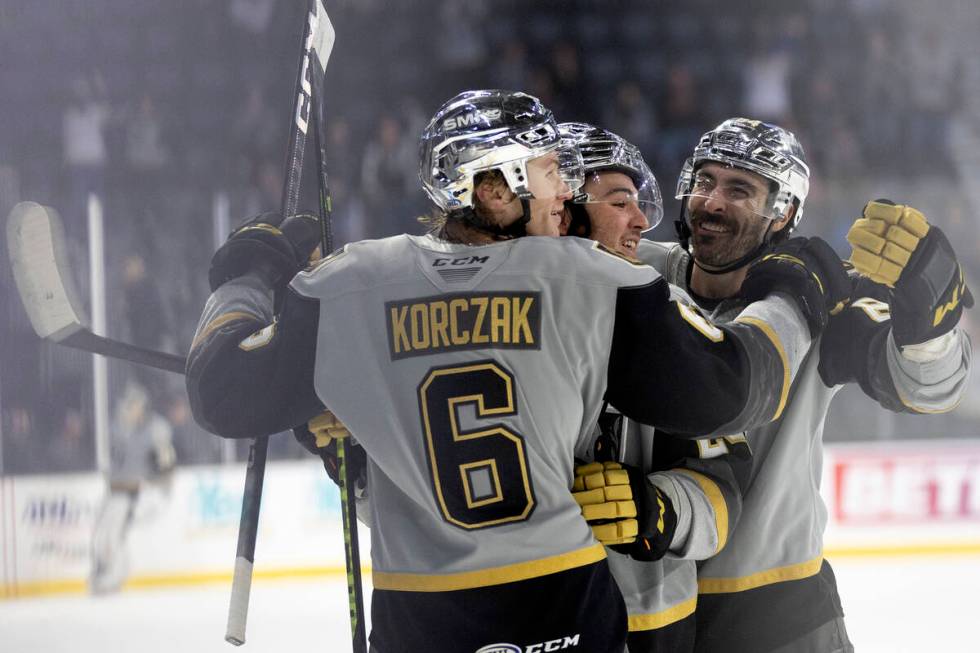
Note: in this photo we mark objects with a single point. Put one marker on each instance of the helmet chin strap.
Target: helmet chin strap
(684, 237)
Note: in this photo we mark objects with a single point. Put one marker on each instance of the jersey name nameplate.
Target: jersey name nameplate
(490, 320)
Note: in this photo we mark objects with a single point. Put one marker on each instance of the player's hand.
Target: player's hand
(263, 245)
(808, 271)
(625, 510)
(884, 238)
(894, 245)
(319, 436)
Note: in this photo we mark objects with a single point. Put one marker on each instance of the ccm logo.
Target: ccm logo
(465, 260)
(542, 647)
(471, 118)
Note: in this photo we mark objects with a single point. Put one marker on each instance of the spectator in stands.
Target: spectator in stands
(388, 177)
(84, 123)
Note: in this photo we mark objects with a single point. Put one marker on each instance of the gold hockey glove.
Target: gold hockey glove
(806, 270)
(884, 239)
(625, 510)
(604, 494)
(319, 436)
(917, 262)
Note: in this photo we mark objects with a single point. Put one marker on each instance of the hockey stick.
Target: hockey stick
(345, 474)
(36, 244)
(318, 38)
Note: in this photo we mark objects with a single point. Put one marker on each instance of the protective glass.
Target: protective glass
(570, 166)
(738, 195)
(646, 196)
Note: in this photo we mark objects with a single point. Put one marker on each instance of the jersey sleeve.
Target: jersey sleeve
(705, 480)
(857, 346)
(250, 372)
(672, 368)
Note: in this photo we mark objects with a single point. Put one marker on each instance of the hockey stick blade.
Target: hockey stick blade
(36, 244)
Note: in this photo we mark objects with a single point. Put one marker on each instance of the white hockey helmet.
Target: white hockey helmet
(759, 147)
(477, 131)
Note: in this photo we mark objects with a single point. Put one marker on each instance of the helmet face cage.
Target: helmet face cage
(477, 131)
(604, 151)
(767, 150)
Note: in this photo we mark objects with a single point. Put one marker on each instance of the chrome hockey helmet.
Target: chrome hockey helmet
(477, 131)
(759, 147)
(602, 151)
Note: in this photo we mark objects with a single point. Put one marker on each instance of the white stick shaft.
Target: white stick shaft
(238, 608)
(100, 366)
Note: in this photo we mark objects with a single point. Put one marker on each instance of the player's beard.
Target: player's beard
(721, 249)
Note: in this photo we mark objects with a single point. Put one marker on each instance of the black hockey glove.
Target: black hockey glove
(807, 270)
(277, 253)
(319, 436)
(894, 245)
(625, 510)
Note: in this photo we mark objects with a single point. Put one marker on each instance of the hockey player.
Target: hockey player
(743, 192)
(143, 461)
(699, 480)
(462, 363)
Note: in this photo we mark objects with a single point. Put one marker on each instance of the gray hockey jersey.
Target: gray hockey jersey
(472, 376)
(778, 544)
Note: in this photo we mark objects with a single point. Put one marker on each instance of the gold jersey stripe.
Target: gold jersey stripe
(487, 577)
(663, 618)
(219, 322)
(777, 343)
(909, 403)
(768, 577)
(717, 500)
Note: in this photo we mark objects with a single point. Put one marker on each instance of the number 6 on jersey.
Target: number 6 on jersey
(480, 476)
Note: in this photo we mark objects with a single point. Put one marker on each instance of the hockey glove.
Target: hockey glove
(894, 245)
(625, 510)
(808, 271)
(276, 253)
(884, 238)
(319, 436)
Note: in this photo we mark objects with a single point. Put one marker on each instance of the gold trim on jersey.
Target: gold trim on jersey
(784, 359)
(663, 618)
(491, 466)
(907, 402)
(219, 322)
(693, 317)
(599, 247)
(768, 577)
(488, 577)
(717, 501)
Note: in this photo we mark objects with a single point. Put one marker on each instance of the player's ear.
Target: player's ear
(786, 220)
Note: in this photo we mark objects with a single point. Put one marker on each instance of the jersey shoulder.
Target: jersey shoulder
(669, 259)
(357, 265)
(579, 261)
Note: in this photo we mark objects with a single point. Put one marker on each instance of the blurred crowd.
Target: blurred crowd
(177, 114)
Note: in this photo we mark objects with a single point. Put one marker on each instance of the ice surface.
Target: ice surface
(893, 605)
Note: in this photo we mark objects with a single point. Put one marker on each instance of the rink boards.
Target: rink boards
(883, 498)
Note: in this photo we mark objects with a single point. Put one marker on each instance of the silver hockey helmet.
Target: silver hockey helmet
(604, 151)
(759, 147)
(484, 130)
